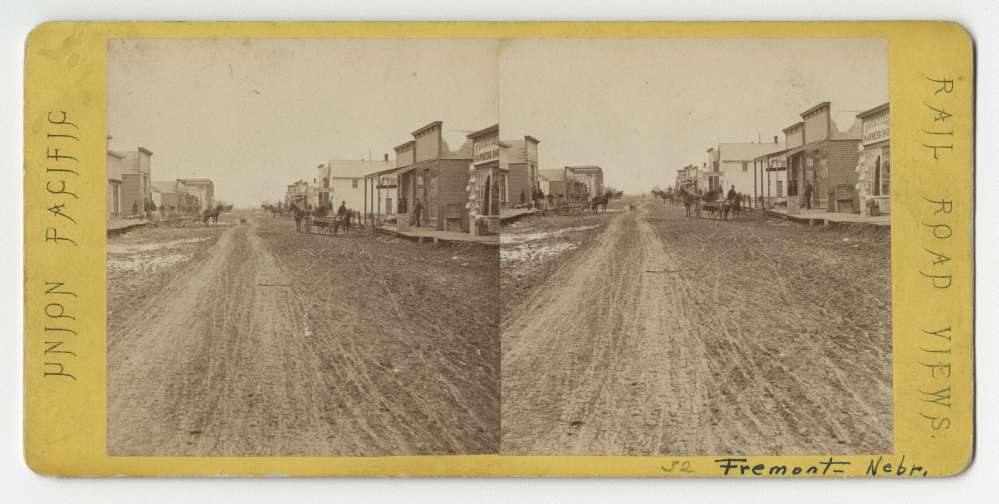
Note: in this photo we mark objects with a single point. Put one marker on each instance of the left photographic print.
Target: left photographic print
(291, 266)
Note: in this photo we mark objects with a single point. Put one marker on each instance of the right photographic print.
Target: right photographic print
(695, 246)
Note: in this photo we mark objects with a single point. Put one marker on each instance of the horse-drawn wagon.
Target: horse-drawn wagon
(327, 224)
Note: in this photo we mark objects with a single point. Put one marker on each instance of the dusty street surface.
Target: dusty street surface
(253, 339)
(669, 335)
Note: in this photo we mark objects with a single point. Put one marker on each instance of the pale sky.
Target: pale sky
(256, 115)
(642, 108)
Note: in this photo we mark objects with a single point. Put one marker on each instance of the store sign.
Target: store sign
(485, 149)
(875, 129)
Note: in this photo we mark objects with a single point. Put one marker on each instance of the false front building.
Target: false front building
(432, 181)
(824, 158)
(874, 166)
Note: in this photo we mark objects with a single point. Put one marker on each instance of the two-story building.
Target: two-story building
(874, 164)
(301, 194)
(116, 164)
(522, 176)
(201, 188)
(731, 164)
(135, 170)
(343, 181)
(489, 173)
(686, 177)
(433, 180)
(825, 157)
(592, 178)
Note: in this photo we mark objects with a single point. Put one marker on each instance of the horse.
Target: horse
(736, 207)
(273, 210)
(210, 215)
(631, 207)
(342, 222)
(599, 202)
(691, 203)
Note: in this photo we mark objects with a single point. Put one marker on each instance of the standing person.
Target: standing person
(731, 194)
(342, 212)
(808, 195)
(418, 210)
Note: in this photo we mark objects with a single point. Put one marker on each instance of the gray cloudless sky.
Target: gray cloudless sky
(256, 115)
(642, 108)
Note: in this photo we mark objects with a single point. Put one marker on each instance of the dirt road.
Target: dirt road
(629, 350)
(279, 343)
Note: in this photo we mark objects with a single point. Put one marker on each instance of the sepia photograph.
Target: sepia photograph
(705, 268)
(290, 270)
(387, 247)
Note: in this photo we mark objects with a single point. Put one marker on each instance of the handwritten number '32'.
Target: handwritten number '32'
(684, 466)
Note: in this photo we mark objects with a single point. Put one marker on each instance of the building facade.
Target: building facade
(731, 164)
(687, 177)
(488, 180)
(345, 181)
(116, 164)
(522, 177)
(301, 194)
(381, 195)
(136, 184)
(823, 157)
(874, 163)
(433, 183)
(201, 188)
(770, 181)
(592, 178)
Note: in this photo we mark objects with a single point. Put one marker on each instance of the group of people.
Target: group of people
(538, 198)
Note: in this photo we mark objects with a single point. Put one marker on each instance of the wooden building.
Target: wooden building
(115, 167)
(874, 164)
(732, 165)
(432, 181)
(135, 169)
(825, 157)
(522, 175)
(591, 177)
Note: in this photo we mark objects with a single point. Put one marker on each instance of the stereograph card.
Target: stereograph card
(499, 249)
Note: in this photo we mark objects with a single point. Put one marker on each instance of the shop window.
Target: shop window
(886, 175)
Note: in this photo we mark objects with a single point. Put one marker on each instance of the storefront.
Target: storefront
(874, 164)
(822, 169)
(488, 179)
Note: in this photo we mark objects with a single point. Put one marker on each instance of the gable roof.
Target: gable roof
(746, 151)
(349, 168)
(872, 111)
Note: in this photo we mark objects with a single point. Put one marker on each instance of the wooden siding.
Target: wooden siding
(452, 179)
(452, 183)
(843, 157)
(131, 193)
(519, 180)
